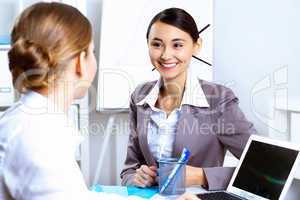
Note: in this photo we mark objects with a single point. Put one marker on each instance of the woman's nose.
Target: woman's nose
(166, 54)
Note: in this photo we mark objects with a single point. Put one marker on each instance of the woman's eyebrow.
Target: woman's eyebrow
(158, 39)
(178, 39)
(173, 40)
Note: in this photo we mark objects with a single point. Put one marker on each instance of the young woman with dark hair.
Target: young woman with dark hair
(179, 110)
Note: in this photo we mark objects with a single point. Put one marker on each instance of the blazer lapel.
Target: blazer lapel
(143, 118)
(185, 127)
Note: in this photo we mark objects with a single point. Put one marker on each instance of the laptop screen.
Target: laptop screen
(265, 169)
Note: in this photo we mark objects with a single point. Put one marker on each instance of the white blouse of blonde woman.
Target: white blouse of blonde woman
(37, 144)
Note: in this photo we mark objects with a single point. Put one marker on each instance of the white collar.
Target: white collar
(37, 104)
(193, 93)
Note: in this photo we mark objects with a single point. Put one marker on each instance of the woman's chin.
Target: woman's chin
(80, 94)
(169, 76)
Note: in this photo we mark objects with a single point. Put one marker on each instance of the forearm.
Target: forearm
(195, 176)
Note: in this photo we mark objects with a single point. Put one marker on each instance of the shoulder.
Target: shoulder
(33, 137)
(20, 127)
(217, 94)
(12, 123)
(142, 90)
(17, 135)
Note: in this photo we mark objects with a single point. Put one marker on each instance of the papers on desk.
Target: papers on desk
(145, 193)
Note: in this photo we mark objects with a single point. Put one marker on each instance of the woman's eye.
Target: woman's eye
(178, 45)
(156, 44)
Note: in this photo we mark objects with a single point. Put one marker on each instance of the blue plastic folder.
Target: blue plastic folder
(145, 193)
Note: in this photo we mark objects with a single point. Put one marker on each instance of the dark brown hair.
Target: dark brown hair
(179, 18)
(44, 39)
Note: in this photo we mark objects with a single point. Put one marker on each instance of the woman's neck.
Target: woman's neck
(170, 95)
(175, 86)
(60, 95)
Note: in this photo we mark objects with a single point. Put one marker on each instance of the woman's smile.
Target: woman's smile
(168, 66)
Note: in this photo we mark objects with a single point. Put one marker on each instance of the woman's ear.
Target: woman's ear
(197, 46)
(81, 64)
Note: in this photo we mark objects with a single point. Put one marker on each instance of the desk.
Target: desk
(293, 192)
(193, 190)
(147, 193)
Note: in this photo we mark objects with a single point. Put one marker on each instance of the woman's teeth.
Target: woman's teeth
(169, 65)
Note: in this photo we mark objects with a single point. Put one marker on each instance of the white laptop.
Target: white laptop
(265, 171)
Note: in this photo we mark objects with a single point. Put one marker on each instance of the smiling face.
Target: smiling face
(170, 50)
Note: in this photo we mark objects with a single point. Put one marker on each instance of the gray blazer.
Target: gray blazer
(206, 132)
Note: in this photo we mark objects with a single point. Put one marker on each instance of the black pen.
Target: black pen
(203, 29)
(202, 60)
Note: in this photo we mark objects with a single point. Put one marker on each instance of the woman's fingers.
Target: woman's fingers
(188, 196)
(147, 179)
(151, 171)
(138, 181)
(153, 168)
(145, 176)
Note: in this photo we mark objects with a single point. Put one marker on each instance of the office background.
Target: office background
(124, 61)
(255, 53)
(255, 42)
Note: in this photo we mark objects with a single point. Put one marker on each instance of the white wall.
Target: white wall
(8, 12)
(294, 45)
(253, 40)
(98, 121)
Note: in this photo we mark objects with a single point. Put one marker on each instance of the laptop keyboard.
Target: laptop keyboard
(217, 196)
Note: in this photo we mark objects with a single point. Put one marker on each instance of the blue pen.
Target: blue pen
(183, 159)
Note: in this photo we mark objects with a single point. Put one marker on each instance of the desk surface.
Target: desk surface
(293, 192)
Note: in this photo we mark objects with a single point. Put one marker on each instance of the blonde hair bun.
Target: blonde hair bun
(29, 64)
(44, 39)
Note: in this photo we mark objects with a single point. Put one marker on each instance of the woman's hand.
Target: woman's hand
(195, 176)
(188, 196)
(145, 176)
